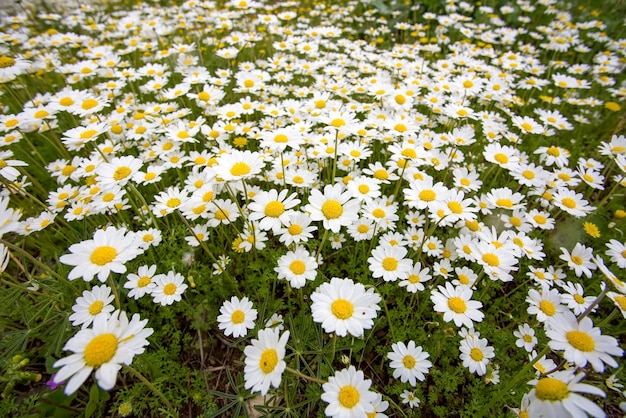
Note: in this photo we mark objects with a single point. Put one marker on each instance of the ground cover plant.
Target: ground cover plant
(303, 209)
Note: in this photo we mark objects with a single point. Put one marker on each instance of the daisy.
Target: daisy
(619, 300)
(141, 283)
(389, 262)
(107, 252)
(169, 200)
(335, 207)
(237, 165)
(265, 360)
(297, 267)
(617, 252)
(574, 299)
(297, 229)
(408, 397)
(476, 354)
(91, 304)
(580, 260)
(525, 337)
(344, 307)
(582, 342)
(168, 288)
(416, 278)
(456, 304)
(271, 209)
(545, 304)
(409, 362)
(347, 394)
(109, 343)
(571, 202)
(557, 395)
(424, 193)
(7, 165)
(553, 155)
(236, 317)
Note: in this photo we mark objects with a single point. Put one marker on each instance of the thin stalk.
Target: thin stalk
(304, 376)
(152, 388)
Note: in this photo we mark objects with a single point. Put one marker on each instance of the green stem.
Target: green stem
(32, 259)
(304, 376)
(514, 381)
(153, 388)
(319, 249)
(116, 294)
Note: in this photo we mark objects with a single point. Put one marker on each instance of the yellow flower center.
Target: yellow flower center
(577, 260)
(408, 361)
(504, 203)
(274, 209)
(390, 264)
(103, 255)
(169, 289)
(88, 134)
(476, 354)
(414, 278)
(281, 138)
(268, 360)
(342, 308)
(96, 307)
(338, 122)
(238, 317)
(240, 169)
(121, 173)
(348, 396)
(621, 301)
(455, 207)
(427, 195)
(297, 267)
(364, 188)
(579, 299)
(550, 389)
(174, 202)
(547, 307)
(40, 114)
(568, 202)
(381, 174)
(378, 213)
(528, 338)
(89, 104)
(295, 229)
(6, 62)
(143, 281)
(332, 209)
(457, 304)
(580, 341)
(501, 158)
(363, 228)
(221, 214)
(491, 259)
(553, 151)
(100, 349)
(527, 126)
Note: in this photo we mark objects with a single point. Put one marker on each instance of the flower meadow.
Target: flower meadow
(309, 209)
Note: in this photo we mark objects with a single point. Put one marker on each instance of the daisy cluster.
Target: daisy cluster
(454, 176)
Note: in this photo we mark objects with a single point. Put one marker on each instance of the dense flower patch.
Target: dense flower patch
(346, 209)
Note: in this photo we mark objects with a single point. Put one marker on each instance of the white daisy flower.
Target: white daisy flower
(109, 343)
(344, 307)
(265, 360)
(557, 395)
(168, 288)
(582, 342)
(141, 283)
(297, 267)
(347, 394)
(107, 252)
(456, 305)
(409, 362)
(236, 317)
(92, 303)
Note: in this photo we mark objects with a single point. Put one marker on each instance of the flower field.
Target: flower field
(307, 209)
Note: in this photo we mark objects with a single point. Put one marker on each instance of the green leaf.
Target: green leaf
(94, 399)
